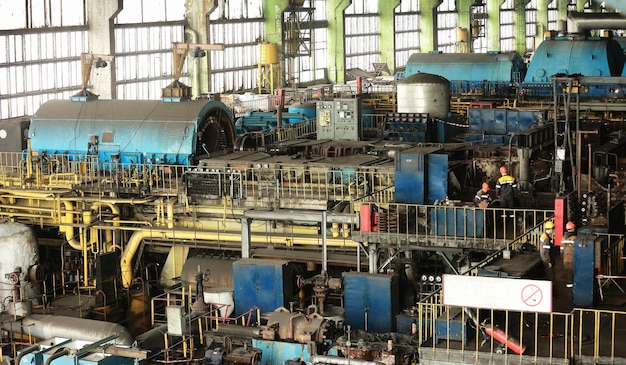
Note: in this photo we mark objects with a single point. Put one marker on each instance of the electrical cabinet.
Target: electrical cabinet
(339, 119)
(371, 301)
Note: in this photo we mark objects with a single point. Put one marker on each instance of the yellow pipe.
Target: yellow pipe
(93, 232)
(116, 222)
(67, 227)
(170, 212)
(135, 240)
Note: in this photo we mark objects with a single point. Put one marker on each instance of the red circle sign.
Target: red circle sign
(532, 295)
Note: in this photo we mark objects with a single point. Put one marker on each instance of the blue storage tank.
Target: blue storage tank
(371, 301)
(266, 284)
(132, 131)
(468, 71)
(588, 57)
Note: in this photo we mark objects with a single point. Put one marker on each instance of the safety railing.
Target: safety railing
(614, 255)
(258, 185)
(180, 295)
(69, 171)
(287, 132)
(397, 222)
(593, 336)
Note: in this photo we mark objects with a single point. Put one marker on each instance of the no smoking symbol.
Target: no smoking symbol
(532, 295)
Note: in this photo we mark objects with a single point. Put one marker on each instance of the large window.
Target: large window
(144, 33)
(407, 28)
(239, 26)
(305, 43)
(553, 15)
(446, 27)
(42, 58)
(478, 27)
(507, 29)
(531, 25)
(362, 35)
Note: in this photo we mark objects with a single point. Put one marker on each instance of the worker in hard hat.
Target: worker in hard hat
(505, 188)
(567, 253)
(546, 246)
(483, 198)
(570, 230)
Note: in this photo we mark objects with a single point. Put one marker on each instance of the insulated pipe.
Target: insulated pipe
(298, 215)
(580, 22)
(25, 352)
(56, 355)
(135, 240)
(49, 326)
(321, 359)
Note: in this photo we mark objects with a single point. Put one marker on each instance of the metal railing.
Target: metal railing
(398, 222)
(286, 184)
(550, 338)
(67, 171)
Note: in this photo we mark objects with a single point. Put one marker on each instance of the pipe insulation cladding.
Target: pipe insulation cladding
(50, 326)
(19, 253)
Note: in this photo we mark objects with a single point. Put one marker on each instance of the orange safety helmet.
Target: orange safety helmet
(570, 225)
(503, 170)
(486, 186)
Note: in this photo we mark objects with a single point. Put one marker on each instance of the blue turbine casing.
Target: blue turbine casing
(130, 131)
(467, 71)
(592, 57)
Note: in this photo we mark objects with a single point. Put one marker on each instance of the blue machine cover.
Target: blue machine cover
(494, 67)
(261, 283)
(374, 297)
(136, 130)
(592, 57)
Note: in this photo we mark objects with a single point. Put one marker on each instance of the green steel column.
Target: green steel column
(519, 20)
(387, 31)
(197, 13)
(336, 33)
(273, 12)
(428, 24)
(463, 20)
(542, 20)
(101, 15)
(561, 6)
(493, 24)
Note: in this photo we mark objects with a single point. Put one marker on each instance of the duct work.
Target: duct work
(584, 22)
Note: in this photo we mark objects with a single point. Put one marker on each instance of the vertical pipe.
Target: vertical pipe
(589, 167)
(324, 248)
(279, 112)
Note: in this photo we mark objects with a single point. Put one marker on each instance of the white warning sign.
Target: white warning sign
(497, 293)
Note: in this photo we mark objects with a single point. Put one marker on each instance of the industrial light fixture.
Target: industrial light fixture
(198, 53)
(100, 63)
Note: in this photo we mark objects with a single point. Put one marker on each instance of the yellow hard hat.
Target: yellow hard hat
(548, 225)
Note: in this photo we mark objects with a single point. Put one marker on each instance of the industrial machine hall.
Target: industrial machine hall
(300, 182)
